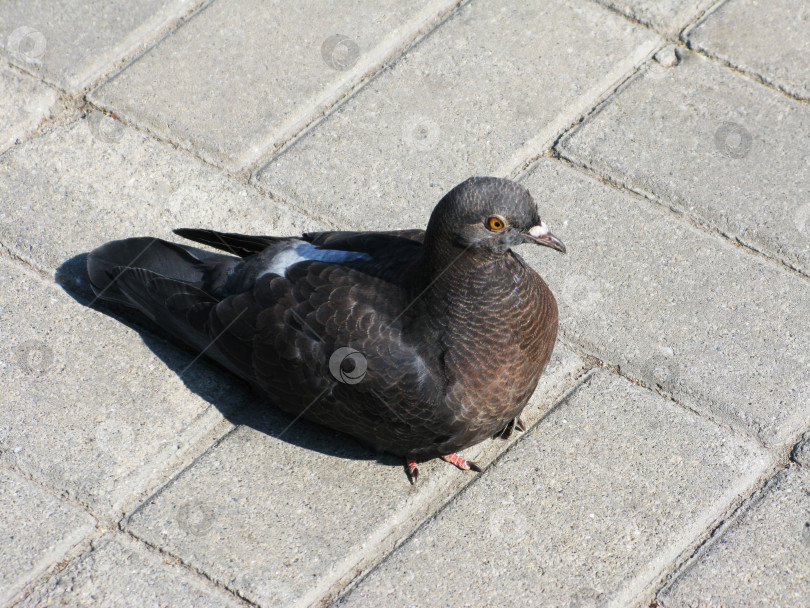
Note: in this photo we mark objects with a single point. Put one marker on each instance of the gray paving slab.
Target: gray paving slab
(72, 44)
(88, 407)
(95, 180)
(287, 515)
(713, 144)
(490, 88)
(117, 571)
(272, 67)
(668, 16)
(721, 329)
(24, 103)
(769, 39)
(588, 509)
(759, 559)
(36, 529)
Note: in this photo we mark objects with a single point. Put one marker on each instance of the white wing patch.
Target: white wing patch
(302, 252)
(422, 371)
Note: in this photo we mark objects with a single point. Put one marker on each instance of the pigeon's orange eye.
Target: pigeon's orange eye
(495, 223)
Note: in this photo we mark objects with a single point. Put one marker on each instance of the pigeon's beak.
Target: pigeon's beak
(541, 235)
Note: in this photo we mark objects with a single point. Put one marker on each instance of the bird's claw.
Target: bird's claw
(465, 465)
(516, 423)
(412, 469)
(461, 463)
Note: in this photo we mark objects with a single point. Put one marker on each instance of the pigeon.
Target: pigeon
(418, 343)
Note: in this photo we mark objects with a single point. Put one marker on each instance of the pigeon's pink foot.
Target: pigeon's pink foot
(464, 465)
(413, 470)
(454, 459)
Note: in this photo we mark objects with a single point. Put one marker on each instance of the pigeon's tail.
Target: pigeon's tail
(176, 286)
(173, 285)
(168, 260)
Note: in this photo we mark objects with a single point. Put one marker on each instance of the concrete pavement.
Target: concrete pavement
(667, 460)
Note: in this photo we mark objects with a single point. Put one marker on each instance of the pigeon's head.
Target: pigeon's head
(492, 214)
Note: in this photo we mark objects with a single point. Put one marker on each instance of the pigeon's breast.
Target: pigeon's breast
(498, 353)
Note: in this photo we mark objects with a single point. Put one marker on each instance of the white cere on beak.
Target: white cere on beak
(540, 230)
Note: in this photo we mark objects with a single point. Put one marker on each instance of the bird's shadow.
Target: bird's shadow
(232, 396)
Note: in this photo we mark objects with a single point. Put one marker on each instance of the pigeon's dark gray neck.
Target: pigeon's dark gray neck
(447, 273)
